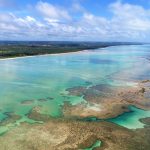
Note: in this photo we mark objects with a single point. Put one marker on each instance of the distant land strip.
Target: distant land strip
(10, 49)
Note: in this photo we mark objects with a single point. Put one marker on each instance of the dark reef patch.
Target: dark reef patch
(11, 118)
(50, 98)
(145, 121)
(27, 102)
(101, 61)
(42, 100)
(76, 91)
(35, 114)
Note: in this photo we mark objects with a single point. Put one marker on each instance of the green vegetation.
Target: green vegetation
(16, 49)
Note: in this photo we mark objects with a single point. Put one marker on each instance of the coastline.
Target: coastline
(55, 54)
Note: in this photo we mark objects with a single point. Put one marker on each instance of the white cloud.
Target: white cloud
(50, 11)
(19, 28)
(128, 23)
(131, 16)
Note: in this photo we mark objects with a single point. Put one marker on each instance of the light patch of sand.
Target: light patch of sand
(94, 107)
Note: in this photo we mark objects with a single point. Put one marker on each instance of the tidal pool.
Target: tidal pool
(95, 145)
(48, 77)
(131, 120)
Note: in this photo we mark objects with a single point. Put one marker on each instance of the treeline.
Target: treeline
(14, 49)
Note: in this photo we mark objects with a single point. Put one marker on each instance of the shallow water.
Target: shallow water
(130, 119)
(41, 77)
(95, 145)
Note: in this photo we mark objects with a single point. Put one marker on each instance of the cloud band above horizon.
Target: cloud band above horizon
(48, 21)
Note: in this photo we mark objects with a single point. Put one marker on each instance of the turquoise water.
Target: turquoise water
(130, 120)
(95, 145)
(41, 77)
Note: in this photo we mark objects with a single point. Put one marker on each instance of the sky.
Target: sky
(75, 20)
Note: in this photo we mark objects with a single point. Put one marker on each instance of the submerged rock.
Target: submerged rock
(42, 100)
(27, 102)
(74, 135)
(76, 91)
(35, 114)
(145, 120)
(10, 119)
(50, 98)
(145, 81)
(110, 101)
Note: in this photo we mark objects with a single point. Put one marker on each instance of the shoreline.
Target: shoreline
(55, 54)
